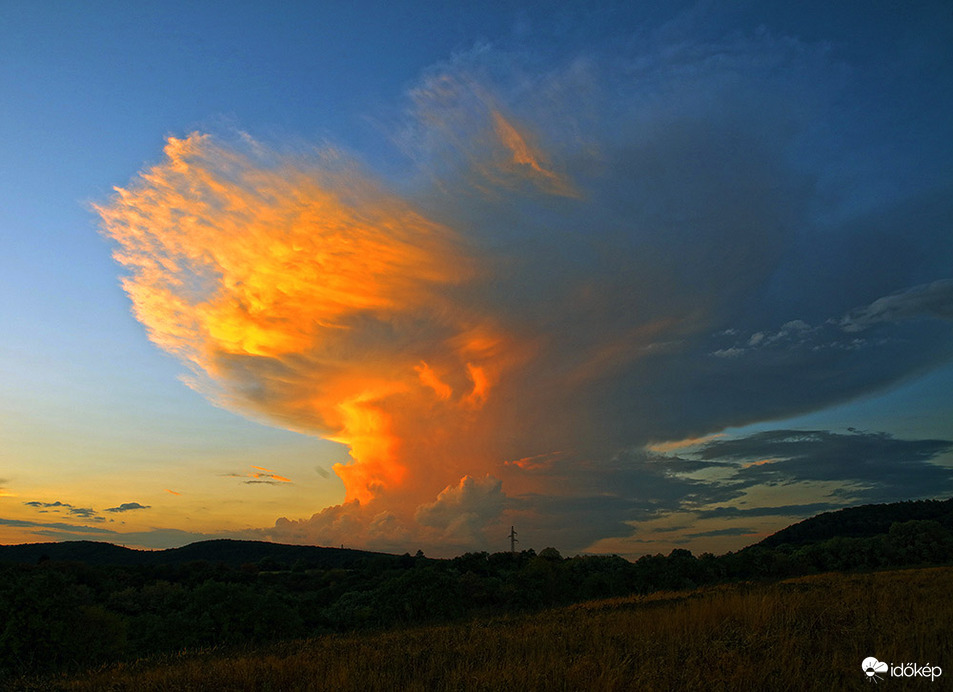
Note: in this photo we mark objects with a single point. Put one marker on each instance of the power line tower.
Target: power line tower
(513, 540)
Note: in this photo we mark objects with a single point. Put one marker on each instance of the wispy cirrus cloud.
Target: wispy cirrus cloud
(261, 476)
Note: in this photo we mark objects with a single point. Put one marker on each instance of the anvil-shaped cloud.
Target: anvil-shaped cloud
(579, 263)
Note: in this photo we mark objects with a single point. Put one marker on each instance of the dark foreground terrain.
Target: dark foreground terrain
(807, 633)
(235, 606)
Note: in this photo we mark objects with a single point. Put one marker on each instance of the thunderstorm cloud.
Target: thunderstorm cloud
(576, 263)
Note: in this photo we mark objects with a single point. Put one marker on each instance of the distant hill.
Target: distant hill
(853, 522)
(89, 552)
(233, 553)
(860, 522)
(236, 553)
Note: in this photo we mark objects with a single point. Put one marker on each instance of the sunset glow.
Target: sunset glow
(630, 280)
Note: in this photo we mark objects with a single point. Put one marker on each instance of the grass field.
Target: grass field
(808, 633)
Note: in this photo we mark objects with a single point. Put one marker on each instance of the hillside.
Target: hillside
(809, 633)
(236, 553)
(861, 522)
(88, 552)
(232, 553)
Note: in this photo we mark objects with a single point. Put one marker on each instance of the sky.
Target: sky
(628, 277)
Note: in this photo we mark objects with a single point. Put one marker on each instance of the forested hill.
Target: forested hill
(861, 522)
(232, 553)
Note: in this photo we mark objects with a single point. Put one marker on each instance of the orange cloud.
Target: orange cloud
(761, 462)
(675, 445)
(229, 257)
(528, 159)
(429, 378)
(535, 462)
(269, 474)
(464, 122)
(298, 290)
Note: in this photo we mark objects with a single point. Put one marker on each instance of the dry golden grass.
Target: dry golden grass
(809, 633)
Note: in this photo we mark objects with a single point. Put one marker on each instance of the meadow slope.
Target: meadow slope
(805, 633)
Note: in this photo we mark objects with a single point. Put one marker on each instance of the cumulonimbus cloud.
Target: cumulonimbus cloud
(559, 278)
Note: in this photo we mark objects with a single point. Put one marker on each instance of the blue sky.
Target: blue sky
(675, 222)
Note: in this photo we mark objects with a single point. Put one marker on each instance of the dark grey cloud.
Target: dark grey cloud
(608, 500)
(127, 506)
(47, 505)
(876, 466)
(639, 486)
(571, 521)
(928, 300)
(722, 532)
(708, 277)
(799, 510)
(69, 529)
(83, 512)
(152, 538)
(681, 528)
(461, 512)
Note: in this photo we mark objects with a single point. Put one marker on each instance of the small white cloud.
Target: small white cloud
(732, 352)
